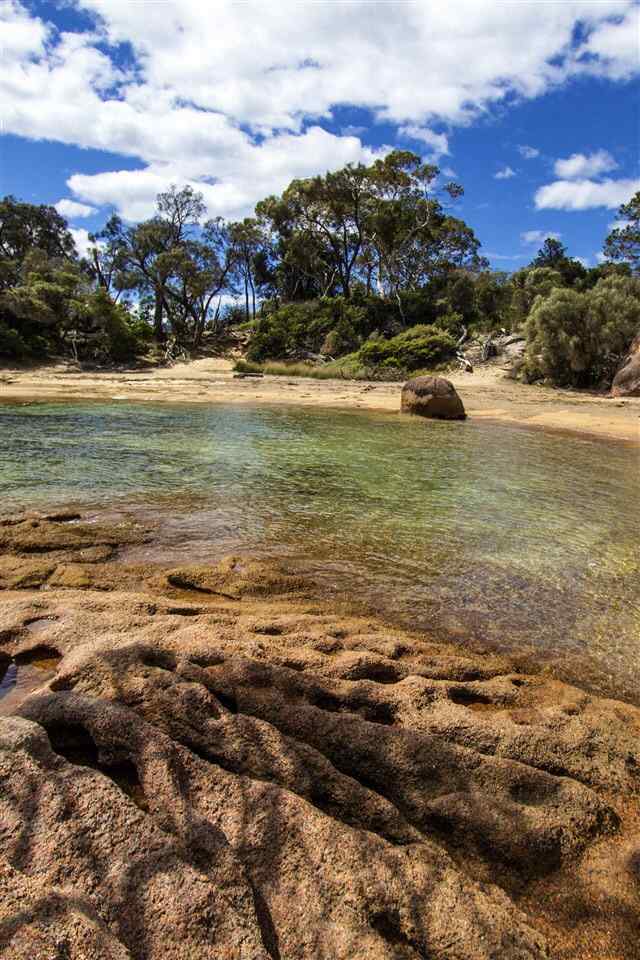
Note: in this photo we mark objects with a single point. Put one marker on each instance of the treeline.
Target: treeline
(367, 262)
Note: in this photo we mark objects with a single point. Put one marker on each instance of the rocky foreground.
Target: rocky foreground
(219, 767)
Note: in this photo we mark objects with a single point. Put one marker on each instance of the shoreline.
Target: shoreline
(487, 394)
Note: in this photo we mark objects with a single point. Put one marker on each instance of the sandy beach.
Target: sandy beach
(487, 393)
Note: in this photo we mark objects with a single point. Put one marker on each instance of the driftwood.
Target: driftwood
(488, 348)
(464, 363)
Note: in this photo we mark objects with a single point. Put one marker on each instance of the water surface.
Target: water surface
(498, 536)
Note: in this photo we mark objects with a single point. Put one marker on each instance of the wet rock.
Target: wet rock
(626, 382)
(432, 397)
(236, 576)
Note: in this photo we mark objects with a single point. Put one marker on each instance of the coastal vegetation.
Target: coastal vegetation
(364, 271)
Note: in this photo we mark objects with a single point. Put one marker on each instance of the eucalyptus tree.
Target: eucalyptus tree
(137, 256)
(25, 227)
(195, 272)
(623, 243)
(246, 240)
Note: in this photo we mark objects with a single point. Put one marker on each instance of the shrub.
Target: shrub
(576, 339)
(114, 323)
(304, 327)
(12, 345)
(420, 347)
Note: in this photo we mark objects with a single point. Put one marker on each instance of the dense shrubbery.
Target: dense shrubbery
(421, 347)
(52, 308)
(331, 325)
(363, 267)
(577, 338)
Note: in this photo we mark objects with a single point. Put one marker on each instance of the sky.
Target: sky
(532, 105)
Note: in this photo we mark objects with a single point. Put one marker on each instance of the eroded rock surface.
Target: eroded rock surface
(222, 768)
(626, 382)
(432, 397)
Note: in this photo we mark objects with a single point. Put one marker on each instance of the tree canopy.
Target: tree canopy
(367, 259)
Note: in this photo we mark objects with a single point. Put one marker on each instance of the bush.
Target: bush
(304, 327)
(114, 323)
(420, 347)
(12, 345)
(577, 339)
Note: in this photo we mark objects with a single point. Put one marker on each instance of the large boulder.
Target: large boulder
(626, 382)
(432, 397)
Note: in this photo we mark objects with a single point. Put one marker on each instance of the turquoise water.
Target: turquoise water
(497, 536)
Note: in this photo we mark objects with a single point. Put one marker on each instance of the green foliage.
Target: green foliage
(25, 227)
(53, 309)
(623, 243)
(13, 346)
(420, 347)
(553, 255)
(304, 327)
(577, 338)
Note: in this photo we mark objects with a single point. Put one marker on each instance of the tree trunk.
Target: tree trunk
(246, 298)
(253, 297)
(158, 330)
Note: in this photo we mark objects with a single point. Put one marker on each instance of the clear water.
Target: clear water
(497, 536)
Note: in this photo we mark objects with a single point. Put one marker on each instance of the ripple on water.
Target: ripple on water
(496, 535)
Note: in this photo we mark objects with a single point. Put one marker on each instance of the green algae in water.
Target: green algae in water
(499, 536)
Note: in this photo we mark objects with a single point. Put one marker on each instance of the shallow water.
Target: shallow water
(498, 536)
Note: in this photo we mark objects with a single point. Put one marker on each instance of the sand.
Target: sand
(487, 394)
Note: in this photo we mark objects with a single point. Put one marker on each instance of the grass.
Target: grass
(348, 367)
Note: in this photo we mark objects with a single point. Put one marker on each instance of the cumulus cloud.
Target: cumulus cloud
(245, 174)
(585, 194)
(72, 209)
(505, 174)
(612, 49)
(438, 142)
(236, 105)
(580, 165)
(529, 153)
(539, 236)
(81, 240)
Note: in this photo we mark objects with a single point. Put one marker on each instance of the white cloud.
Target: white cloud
(583, 260)
(235, 105)
(618, 224)
(81, 240)
(580, 165)
(505, 174)
(448, 172)
(529, 153)
(585, 194)
(539, 236)
(245, 174)
(614, 49)
(438, 142)
(73, 209)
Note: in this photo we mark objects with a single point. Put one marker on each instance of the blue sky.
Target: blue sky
(532, 106)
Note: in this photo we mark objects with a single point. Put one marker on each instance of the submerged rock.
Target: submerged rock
(432, 397)
(626, 382)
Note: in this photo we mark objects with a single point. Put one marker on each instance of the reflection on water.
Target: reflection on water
(499, 536)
